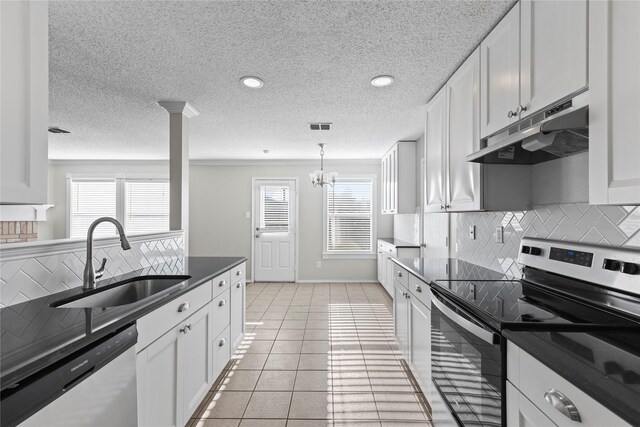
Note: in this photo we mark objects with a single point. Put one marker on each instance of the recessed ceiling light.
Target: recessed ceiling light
(382, 81)
(252, 82)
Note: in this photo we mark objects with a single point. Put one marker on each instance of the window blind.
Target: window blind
(146, 206)
(350, 216)
(90, 200)
(274, 208)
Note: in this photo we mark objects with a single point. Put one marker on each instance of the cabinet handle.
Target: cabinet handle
(185, 329)
(418, 288)
(183, 307)
(238, 286)
(222, 283)
(520, 109)
(238, 273)
(222, 302)
(562, 404)
(511, 114)
(399, 273)
(389, 258)
(222, 342)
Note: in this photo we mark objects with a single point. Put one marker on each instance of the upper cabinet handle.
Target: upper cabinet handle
(511, 114)
(562, 404)
(520, 109)
(183, 307)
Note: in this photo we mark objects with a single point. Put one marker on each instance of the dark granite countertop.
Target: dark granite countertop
(398, 243)
(603, 364)
(431, 269)
(34, 335)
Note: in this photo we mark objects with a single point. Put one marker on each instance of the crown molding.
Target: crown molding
(179, 107)
(216, 162)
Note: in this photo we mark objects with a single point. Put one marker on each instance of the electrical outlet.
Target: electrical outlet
(499, 234)
(472, 232)
(319, 264)
(247, 214)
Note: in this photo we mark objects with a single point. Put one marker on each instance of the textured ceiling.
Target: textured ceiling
(110, 62)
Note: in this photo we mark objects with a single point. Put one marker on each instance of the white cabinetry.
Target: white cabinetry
(386, 253)
(535, 56)
(173, 373)
(399, 179)
(412, 324)
(614, 102)
(24, 108)
(238, 285)
(500, 84)
(533, 381)
(452, 133)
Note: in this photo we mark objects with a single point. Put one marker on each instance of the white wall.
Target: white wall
(221, 195)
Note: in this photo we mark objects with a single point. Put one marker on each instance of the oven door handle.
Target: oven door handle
(477, 330)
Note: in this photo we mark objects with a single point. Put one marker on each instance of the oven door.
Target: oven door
(466, 364)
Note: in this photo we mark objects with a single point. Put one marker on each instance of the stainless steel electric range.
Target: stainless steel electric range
(566, 289)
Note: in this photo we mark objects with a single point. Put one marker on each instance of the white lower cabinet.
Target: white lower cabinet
(236, 329)
(537, 385)
(387, 252)
(412, 327)
(221, 350)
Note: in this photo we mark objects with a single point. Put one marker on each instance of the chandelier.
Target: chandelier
(318, 177)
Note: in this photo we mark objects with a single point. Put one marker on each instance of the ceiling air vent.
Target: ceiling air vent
(57, 130)
(320, 126)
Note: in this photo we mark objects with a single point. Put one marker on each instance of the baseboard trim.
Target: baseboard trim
(338, 281)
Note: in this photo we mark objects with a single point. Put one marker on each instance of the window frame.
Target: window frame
(371, 253)
(120, 180)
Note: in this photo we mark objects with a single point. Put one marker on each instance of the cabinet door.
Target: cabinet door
(236, 328)
(553, 51)
(614, 102)
(388, 273)
(159, 382)
(393, 184)
(500, 74)
(436, 140)
(420, 342)
(522, 413)
(198, 362)
(383, 185)
(380, 267)
(463, 99)
(400, 317)
(221, 350)
(24, 106)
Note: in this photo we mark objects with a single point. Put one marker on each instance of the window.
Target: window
(349, 218)
(274, 208)
(141, 205)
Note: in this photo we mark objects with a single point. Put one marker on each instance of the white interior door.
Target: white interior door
(274, 230)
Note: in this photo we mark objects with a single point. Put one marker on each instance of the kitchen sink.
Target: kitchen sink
(123, 293)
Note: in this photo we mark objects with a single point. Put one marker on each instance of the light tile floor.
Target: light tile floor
(316, 355)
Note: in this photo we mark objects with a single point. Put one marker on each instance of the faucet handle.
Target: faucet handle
(100, 271)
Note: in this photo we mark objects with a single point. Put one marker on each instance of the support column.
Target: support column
(179, 115)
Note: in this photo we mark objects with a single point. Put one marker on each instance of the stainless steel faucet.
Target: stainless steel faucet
(90, 275)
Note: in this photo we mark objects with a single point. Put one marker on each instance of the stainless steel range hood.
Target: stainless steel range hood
(560, 130)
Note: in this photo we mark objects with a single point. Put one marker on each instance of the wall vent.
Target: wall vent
(320, 126)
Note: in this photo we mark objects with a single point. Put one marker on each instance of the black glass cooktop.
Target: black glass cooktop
(518, 304)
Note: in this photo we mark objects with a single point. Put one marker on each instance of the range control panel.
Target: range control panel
(571, 256)
(610, 266)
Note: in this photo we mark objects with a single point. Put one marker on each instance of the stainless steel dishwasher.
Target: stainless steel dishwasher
(95, 386)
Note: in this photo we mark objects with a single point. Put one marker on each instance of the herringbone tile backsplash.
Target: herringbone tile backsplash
(580, 222)
(32, 277)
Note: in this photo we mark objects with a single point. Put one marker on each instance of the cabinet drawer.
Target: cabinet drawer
(420, 290)
(401, 275)
(238, 273)
(221, 350)
(392, 250)
(221, 283)
(159, 321)
(221, 314)
(536, 379)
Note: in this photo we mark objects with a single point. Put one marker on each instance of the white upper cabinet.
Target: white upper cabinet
(535, 56)
(500, 84)
(614, 102)
(463, 100)
(553, 51)
(435, 141)
(24, 108)
(399, 179)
